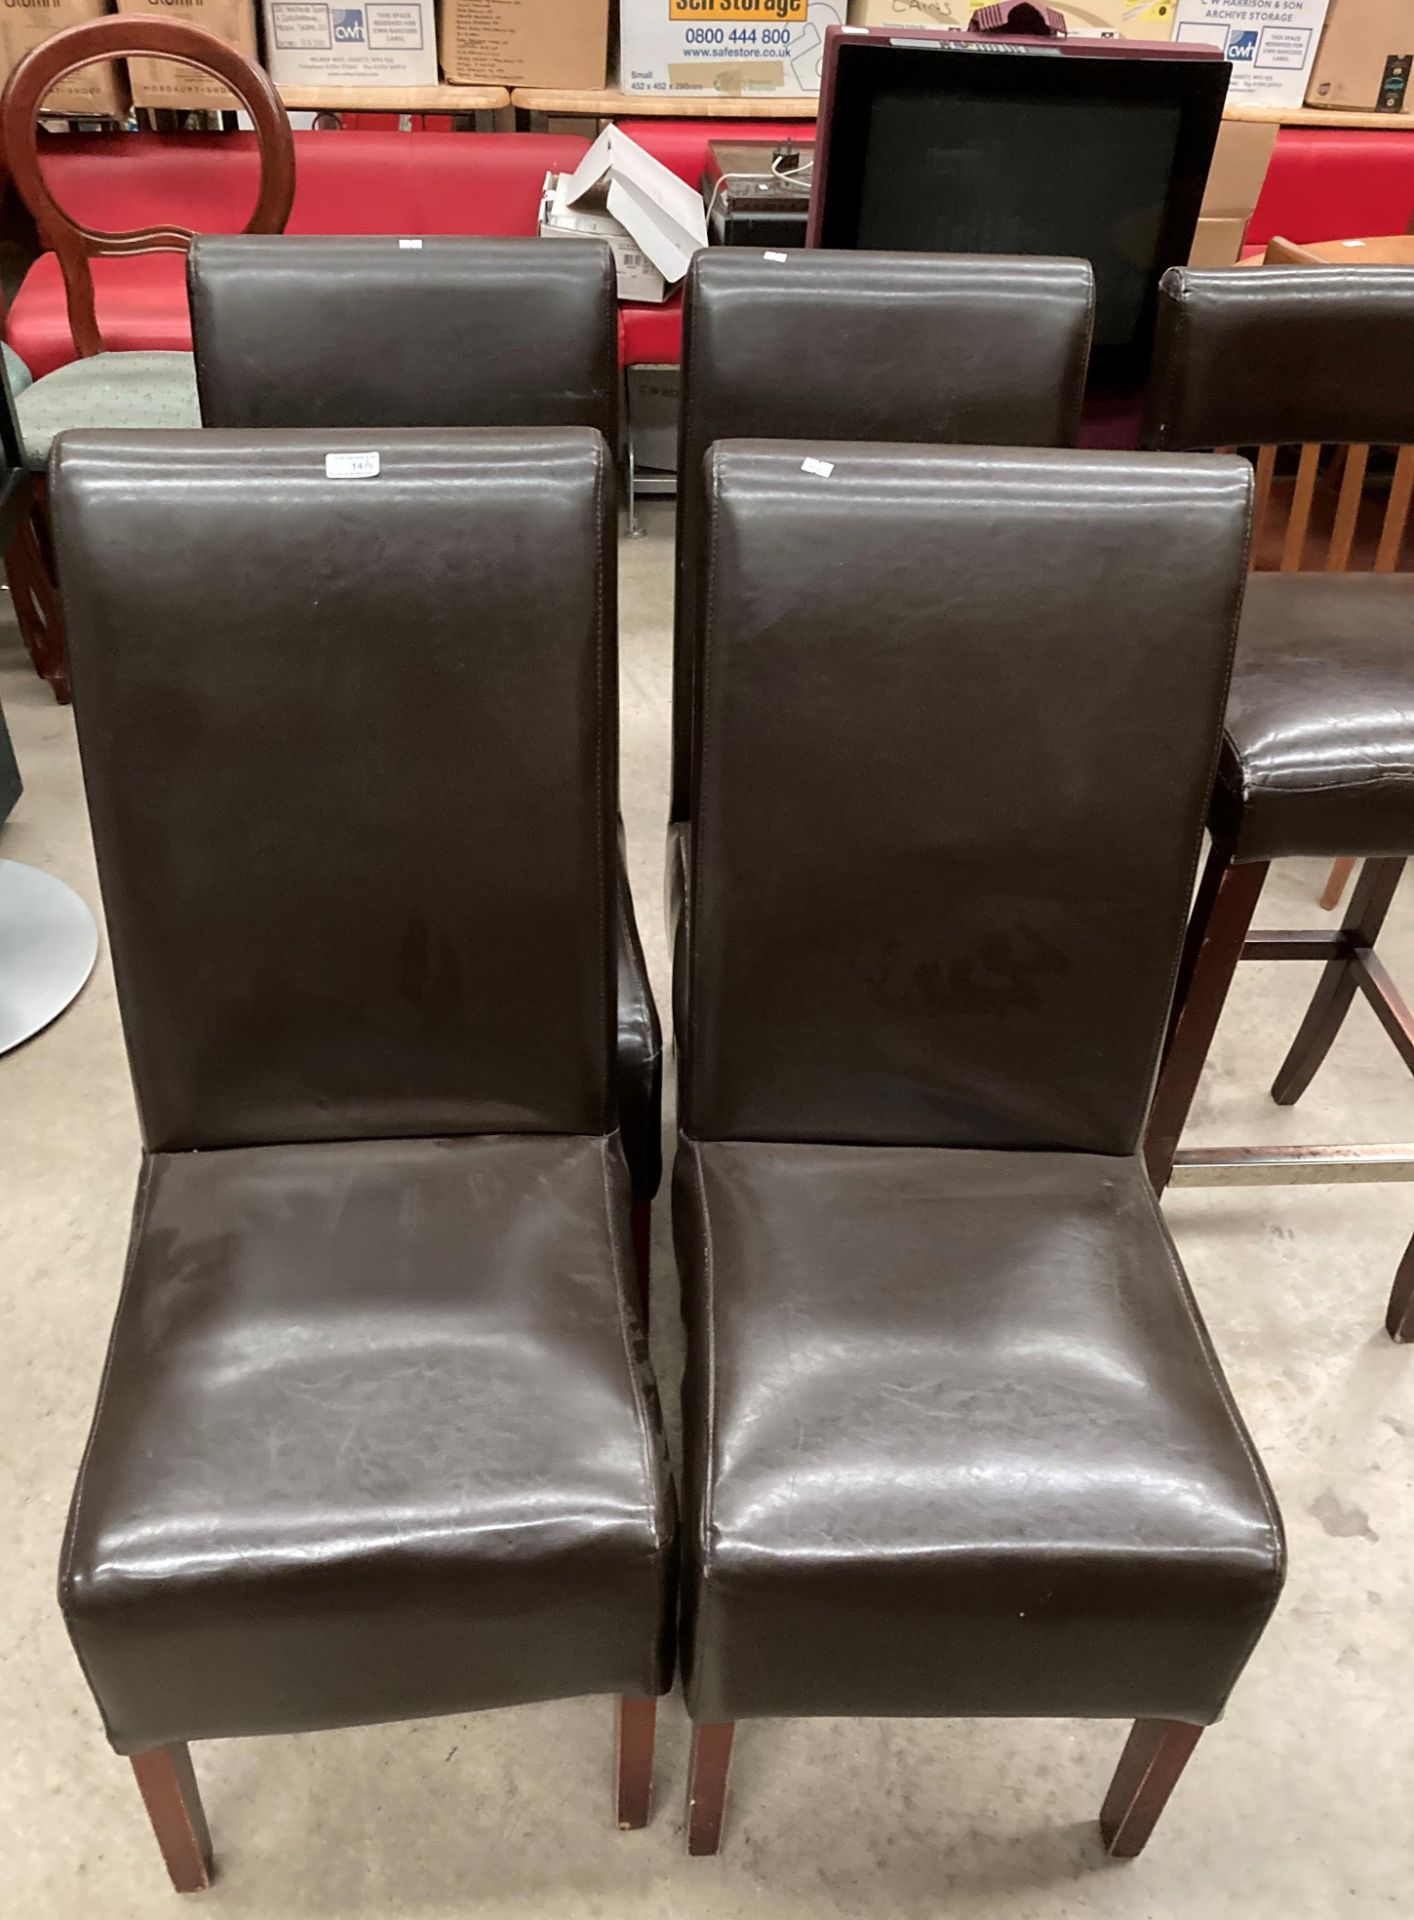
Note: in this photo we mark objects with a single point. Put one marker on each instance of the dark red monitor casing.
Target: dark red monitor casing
(839, 38)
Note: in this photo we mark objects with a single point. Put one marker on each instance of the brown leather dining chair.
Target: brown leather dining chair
(1318, 751)
(982, 350)
(452, 332)
(376, 1438)
(956, 1439)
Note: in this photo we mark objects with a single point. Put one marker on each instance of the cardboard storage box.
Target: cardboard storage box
(1218, 243)
(1365, 58)
(724, 46)
(525, 43)
(1271, 44)
(377, 43)
(162, 83)
(1240, 161)
(653, 221)
(654, 394)
(1127, 19)
(99, 90)
(636, 276)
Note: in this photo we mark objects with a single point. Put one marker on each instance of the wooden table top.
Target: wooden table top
(1383, 250)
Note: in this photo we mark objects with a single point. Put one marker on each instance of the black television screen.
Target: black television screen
(988, 147)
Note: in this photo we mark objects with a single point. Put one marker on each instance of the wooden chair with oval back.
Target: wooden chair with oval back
(102, 389)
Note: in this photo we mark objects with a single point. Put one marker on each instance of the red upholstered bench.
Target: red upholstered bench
(346, 182)
(651, 336)
(1335, 183)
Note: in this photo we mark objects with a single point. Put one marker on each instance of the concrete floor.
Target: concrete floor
(1297, 1806)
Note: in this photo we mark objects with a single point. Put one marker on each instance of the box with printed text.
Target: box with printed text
(100, 89)
(525, 43)
(724, 46)
(1366, 58)
(163, 83)
(1270, 43)
(1105, 19)
(377, 43)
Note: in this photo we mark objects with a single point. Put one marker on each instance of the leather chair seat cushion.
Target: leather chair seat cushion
(962, 1446)
(1318, 755)
(120, 390)
(376, 1441)
(638, 1050)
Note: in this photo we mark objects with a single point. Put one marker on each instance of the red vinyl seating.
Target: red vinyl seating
(346, 182)
(1323, 184)
(1335, 183)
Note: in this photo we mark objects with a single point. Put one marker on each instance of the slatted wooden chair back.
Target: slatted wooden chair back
(1331, 508)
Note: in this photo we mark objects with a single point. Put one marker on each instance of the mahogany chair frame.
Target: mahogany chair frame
(1220, 928)
(30, 561)
(166, 1780)
(1153, 1759)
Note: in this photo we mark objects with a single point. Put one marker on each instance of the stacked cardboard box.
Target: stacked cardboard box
(372, 43)
(1270, 43)
(99, 90)
(724, 46)
(1366, 58)
(1240, 162)
(653, 221)
(162, 83)
(1129, 19)
(525, 43)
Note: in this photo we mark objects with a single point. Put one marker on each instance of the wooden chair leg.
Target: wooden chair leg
(1222, 913)
(1364, 916)
(1154, 1756)
(169, 1791)
(641, 1219)
(707, 1784)
(1399, 1319)
(637, 1722)
(1337, 880)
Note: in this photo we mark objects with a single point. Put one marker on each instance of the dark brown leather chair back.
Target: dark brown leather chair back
(958, 722)
(1303, 357)
(866, 346)
(382, 710)
(383, 332)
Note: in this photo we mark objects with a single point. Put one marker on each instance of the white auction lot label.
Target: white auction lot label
(350, 466)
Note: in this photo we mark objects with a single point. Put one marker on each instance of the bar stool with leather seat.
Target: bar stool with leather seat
(376, 1438)
(956, 1440)
(1318, 751)
(987, 351)
(457, 332)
